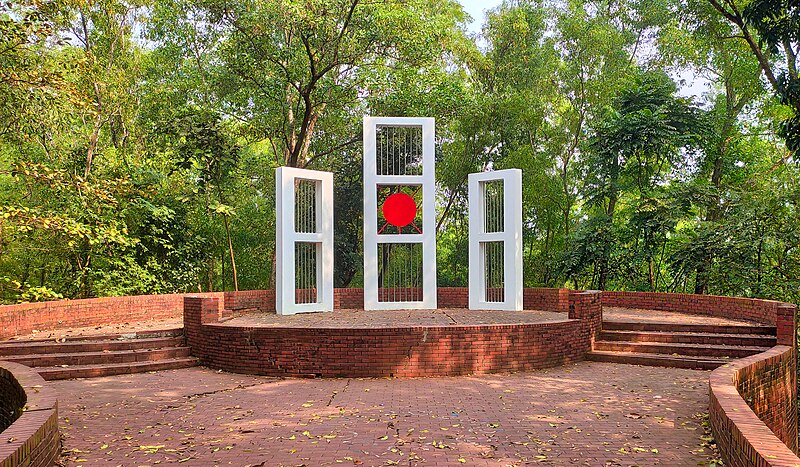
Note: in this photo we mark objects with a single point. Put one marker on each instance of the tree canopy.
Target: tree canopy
(658, 140)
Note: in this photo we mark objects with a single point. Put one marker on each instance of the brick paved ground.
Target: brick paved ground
(656, 316)
(446, 317)
(584, 414)
(392, 318)
(103, 329)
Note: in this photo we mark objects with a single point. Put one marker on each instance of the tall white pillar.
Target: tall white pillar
(399, 213)
(495, 240)
(304, 241)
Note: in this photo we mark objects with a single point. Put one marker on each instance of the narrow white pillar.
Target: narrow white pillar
(399, 213)
(304, 241)
(495, 240)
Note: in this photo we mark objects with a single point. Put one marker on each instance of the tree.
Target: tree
(777, 23)
(202, 144)
(297, 82)
(702, 41)
(631, 152)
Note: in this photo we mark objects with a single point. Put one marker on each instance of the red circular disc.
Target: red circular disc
(399, 209)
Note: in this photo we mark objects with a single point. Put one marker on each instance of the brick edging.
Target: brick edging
(743, 438)
(33, 438)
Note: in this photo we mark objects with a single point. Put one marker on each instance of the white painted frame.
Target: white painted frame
(511, 236)
(287, 237)
(428, 237)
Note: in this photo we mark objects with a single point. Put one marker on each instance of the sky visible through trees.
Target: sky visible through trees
(138, 140)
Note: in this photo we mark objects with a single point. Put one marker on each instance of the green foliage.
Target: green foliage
(778, 23)
(138, 142)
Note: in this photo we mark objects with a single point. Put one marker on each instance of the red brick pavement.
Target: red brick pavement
(658, 316)
(584, 414)
(395, 318)
(101, 329)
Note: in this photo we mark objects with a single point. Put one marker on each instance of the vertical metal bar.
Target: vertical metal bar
(393, 170)
(306, 245)
(488, 248)
(308, 273)
(301, 295)
(409, 271)
(406, 258)
(405, 153)
(305, 272)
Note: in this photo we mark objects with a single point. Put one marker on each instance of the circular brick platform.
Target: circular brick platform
(357, 343)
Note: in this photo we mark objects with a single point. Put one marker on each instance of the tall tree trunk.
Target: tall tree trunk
(714, 213)
(603, 266)
(230, 250)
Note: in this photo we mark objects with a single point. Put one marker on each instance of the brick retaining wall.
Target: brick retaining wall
(12, 398)
(24, 318)
(753, 409)
(32, 439)
(395, 351)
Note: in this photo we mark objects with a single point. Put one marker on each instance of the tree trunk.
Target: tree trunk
(230, 250)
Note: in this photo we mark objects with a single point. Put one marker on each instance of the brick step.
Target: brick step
(696, 350)
(93, 371)
(647, 359)
(148, 334)
(702, 328)
(99, 358)
(76, 346)
(690, 338)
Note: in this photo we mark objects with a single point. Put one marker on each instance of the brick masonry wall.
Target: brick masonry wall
(768, 386)
(23, 318)
(750, 309)
(260, 300)
(753, 408)
(33, 439)
(588, 307)
(402, 352)
(532, 298)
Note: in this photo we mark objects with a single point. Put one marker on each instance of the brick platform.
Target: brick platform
(30, 437)
(401, 349)
(359, 318)
(674, 318)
